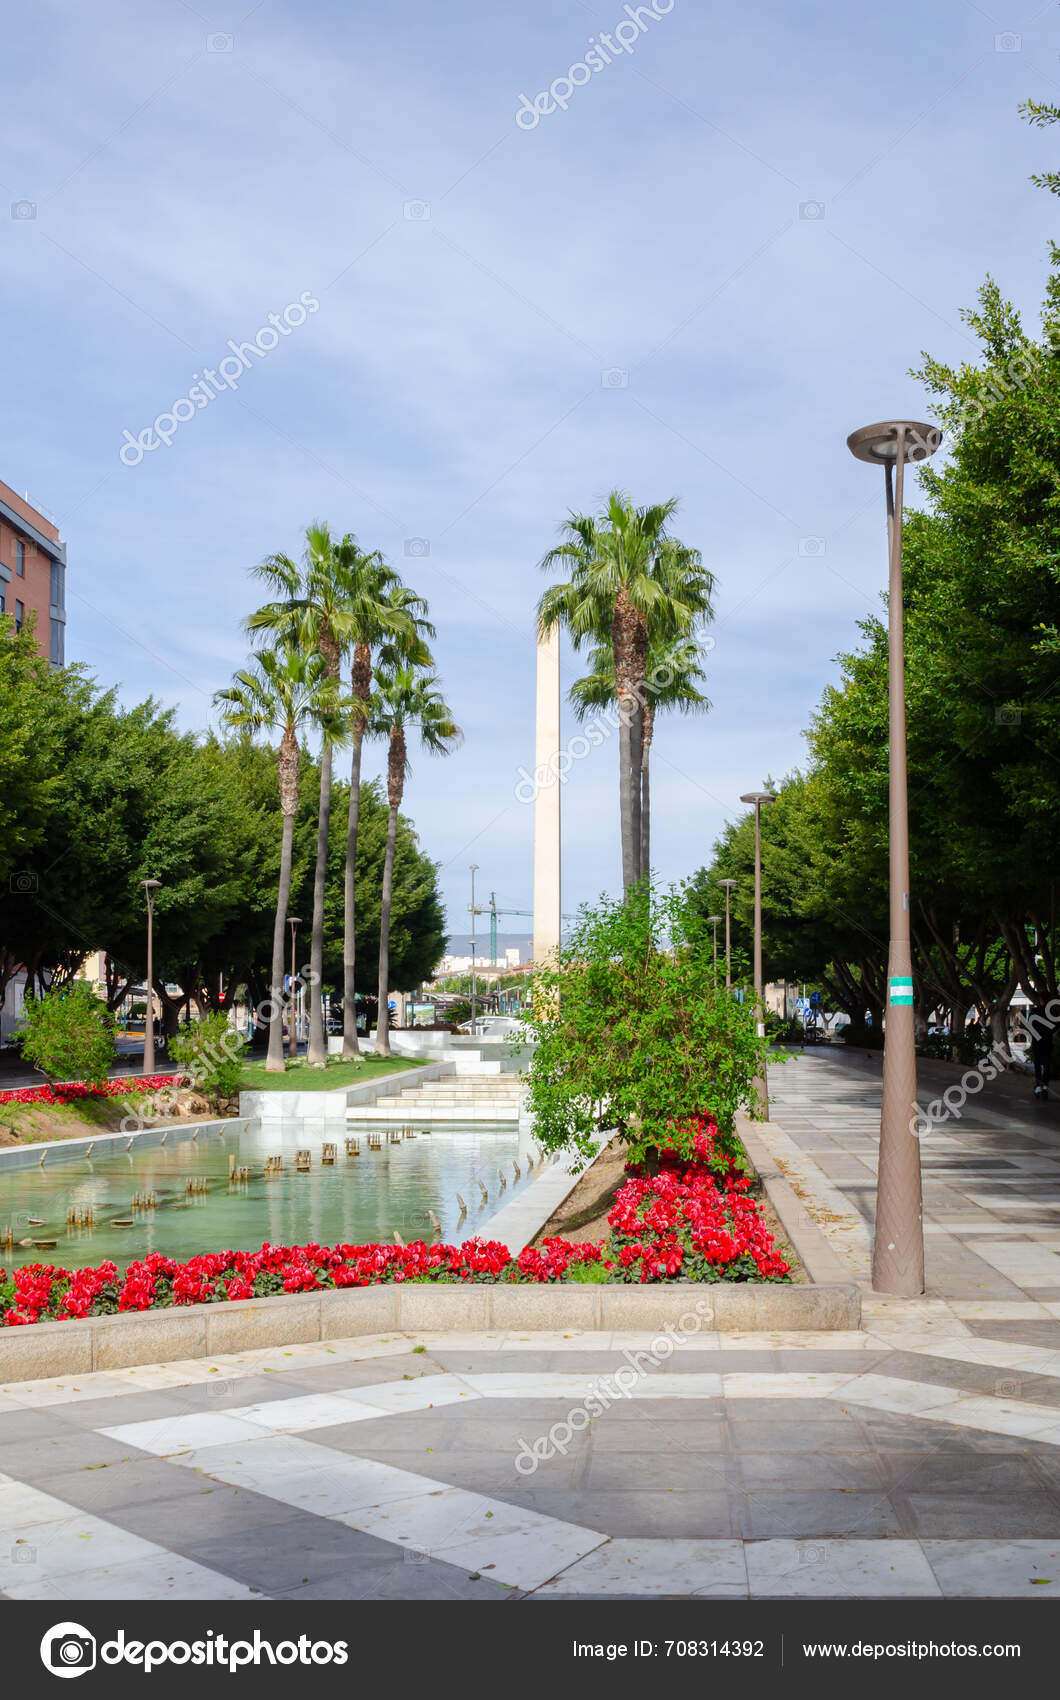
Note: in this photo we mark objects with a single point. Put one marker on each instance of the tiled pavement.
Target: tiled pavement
(918, 1457)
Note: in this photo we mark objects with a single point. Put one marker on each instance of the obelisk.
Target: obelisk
(547, 803)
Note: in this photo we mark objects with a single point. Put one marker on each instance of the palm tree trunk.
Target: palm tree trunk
(362, 680)
(645, 789)
(317, 1052)
(622, 640)
(288, 773)
(395, 786)
(382, 1030)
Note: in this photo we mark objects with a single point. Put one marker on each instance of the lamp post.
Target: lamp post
(729, 886)
(898, 1243)
(712, 921)
(294, 922)
(150, 887)
(474, 999)
(758, 798)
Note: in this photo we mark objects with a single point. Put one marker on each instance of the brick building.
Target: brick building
(33, 572)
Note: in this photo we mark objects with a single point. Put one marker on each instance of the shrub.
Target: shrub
(633, 1031)
(69, 1034)
(210, 1053)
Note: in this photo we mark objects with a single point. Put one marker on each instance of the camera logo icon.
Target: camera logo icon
(1010, 715)
(220, 43)
(417, 209)
(614, 378)
(1008, 43)
(24, 883)
(68, 1650)
(812, 545)
(811, 209)
(417, 547)
(23, 209)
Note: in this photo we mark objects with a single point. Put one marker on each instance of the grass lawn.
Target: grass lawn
(298, 1078)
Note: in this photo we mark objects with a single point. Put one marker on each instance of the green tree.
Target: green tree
(633, 1033)
(404, 700)
(69, 1034)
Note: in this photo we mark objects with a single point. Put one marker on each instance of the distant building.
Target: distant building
(33, 572)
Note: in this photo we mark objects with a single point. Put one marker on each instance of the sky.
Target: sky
(686, 266)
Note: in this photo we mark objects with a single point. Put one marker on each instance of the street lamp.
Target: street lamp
(294, 922)
(758, 798)
(474, 871)
(898, 1245)
(712, 921)
(150, 887)
(729, 886)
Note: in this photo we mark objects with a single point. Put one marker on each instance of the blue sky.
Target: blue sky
(724, 255)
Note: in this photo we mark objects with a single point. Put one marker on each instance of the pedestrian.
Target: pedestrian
(1041, 1051)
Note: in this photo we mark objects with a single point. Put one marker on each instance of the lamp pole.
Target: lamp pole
(898, 1243)
(294, 922)
(150, 887)
(728, 885)
(758, 798)
(712, 921)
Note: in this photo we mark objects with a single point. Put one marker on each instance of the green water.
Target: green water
(359, 1199)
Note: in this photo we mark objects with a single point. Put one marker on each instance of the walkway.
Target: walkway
(919, 1457)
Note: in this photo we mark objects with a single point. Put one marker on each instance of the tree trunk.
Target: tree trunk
(622, 641)
(362, 683)
(648, 714)
(395, 786)
(288, 770)
(317, 1052)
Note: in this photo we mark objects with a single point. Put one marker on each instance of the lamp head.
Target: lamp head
(150, 885)
(712, 920)
(294, 920)
(758, 797)
(728, 884)
(878, 443)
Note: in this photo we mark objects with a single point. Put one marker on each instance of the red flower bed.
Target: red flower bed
(68, 1092)
(691, 1222)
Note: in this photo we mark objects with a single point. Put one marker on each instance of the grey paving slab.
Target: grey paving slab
(990, 1516)
(821, 1511)
(297, 1550)
(639, 1513)
(801, 1471)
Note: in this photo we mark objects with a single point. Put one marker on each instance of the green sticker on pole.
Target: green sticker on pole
(901, 989)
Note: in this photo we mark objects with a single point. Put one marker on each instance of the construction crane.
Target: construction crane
(494, 912)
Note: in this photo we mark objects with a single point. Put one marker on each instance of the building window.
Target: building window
(20, 615)
(20, 558)
(56, 652)
(58, 585)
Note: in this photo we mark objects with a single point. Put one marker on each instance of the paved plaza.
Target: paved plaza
(918, 1457)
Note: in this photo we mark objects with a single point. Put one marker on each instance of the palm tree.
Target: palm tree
(327, 604)
(285, 689)
(404, 698)
(629, 579)
(385, 612)
(674, 675)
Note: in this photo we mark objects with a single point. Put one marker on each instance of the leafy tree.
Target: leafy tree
(210, 1051)
(69, 1034)
(632, 1031)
